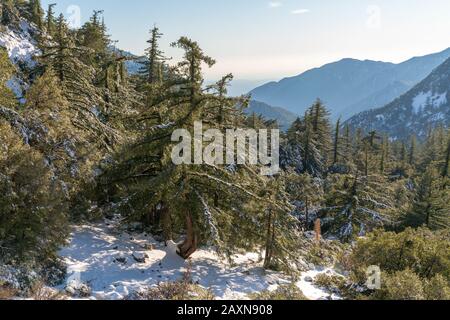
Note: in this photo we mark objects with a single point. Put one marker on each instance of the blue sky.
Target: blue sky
(262, 40)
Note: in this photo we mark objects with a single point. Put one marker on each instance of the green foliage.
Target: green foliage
(356, 205)
(284, 292)
(431, 206)
(407, 285)
(7, 98)
(424, 252)
(32, 213)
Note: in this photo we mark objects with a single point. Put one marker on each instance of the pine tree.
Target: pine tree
(412, 152)
(431, 204)
(357, 205)
(319, 118)
(336, 144)
(32, 212)
(302, 151)
(93, 35)
(8, 12)
(50, 19)
(210, 203)
(36, 14)
(151, 67)
(306, 193)
(7, 98)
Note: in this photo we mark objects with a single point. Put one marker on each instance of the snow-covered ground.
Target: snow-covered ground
(19, 44)
(107, 261)
(22, 50)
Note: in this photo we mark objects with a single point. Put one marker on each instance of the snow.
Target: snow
(106, 259)
(21, 49)
(20, 45)
(310, 290)
(425, 99)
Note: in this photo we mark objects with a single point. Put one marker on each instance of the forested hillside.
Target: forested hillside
(82, 141)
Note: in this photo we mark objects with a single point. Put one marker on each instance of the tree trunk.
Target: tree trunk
(269, 238)
(166, 220)
(306, 214)
(190, 244)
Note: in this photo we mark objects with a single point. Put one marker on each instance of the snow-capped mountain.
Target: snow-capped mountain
(424, 106)
(349, 86)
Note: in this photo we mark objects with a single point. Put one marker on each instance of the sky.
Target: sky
(259, 40)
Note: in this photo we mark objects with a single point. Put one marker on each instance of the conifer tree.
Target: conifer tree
(36, 14)
(32, 213)
(431, 205)
(7, 98)
(412, 152)
(357, 205)
(336, 144)
(151, 67)
(50, 19)
(212, 203)
(306, 193)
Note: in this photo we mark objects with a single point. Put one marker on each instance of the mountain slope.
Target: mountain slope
(349, 86)
(19, 43)
(283, 117)
(426, 105)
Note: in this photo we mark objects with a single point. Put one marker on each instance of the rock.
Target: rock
(122, 260)
(148, 247)
(140, 257)
(310, 234)
(116, 248)
(303, 265)
(309, 279)
(135, 227)
(80, 290)
(311, 266)
(70, 291)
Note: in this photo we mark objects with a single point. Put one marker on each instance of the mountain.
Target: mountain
(284, 118)
(349, 86)
(424, 106)
(133, 61)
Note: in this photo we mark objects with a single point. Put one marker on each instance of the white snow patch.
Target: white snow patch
(102, 257)
(310, 290)
(20, 46)
(425, 99)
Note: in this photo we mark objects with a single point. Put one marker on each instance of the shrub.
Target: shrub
(284, 292)
(415, 264)
(437, 288)
(424, 252)
(402, 285)
(183, 289)
(32, 211)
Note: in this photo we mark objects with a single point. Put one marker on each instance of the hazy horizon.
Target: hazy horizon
(260, 40)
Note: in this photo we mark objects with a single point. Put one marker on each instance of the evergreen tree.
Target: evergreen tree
(151, 69)
(7, 98)
(36, 14)
(50, 19)
(93, 35)
(357, 205)
(431, 205)
(212, 203)
(336, 144)
(32, 213)
(306, 193)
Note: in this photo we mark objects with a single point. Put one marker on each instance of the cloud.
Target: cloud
(275, 4)
(300, 11)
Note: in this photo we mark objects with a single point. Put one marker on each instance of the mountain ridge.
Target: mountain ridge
(425, 106)
(349, 86)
